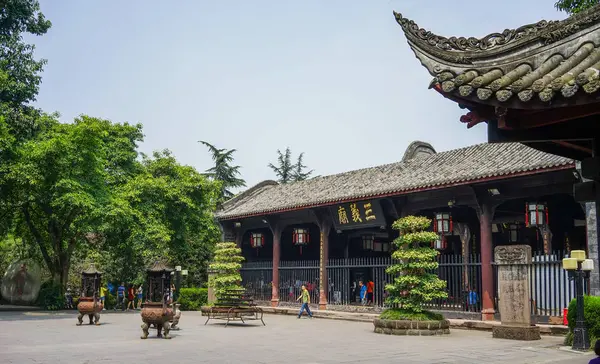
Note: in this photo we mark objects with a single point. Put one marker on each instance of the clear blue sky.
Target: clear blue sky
(334, 79)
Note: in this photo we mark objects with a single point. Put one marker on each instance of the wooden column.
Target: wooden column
(486, 213)
(239, 234)
(465, 237)
(324, 223)
(276, 228)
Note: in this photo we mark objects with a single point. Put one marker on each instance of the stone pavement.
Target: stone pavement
(42, 337)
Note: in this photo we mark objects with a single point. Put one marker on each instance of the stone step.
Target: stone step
(554, 330)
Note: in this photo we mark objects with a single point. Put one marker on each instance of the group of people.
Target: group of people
(126, 297)
(366, 292)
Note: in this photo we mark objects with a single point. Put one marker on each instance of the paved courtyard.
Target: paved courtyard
(41, 337)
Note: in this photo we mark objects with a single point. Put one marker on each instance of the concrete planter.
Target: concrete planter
(412, 328)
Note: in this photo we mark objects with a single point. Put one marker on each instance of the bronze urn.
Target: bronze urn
(89, 299)
(156, 311)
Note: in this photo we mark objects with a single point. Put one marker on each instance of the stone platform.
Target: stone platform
(553, 330)
(411, 328)
(524, 333)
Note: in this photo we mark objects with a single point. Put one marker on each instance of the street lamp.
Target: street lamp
(579, 268)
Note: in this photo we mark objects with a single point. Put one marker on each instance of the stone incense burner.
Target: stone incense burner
(89, 302)
(156, 311)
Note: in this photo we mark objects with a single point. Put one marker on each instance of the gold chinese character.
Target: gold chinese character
(343, 216)
(369, 212)
(355, 213)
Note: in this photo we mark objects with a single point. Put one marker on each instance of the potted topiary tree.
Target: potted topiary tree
(414, 284)
(224, 270)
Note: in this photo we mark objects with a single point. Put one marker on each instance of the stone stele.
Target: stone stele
(514, 295)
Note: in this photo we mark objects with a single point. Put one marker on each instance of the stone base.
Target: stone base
(411, 328)
(524, 333)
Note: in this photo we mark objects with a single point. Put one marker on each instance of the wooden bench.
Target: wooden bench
(234, 305)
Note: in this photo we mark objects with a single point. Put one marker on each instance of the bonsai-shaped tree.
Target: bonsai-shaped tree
(414, 284)
(226, 267)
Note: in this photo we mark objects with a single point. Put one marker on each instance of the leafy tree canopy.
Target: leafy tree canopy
(19, 70)
(58, 183)
(574, 6)
(164, 211)
(286, 171)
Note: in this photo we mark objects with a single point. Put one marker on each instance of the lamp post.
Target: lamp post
(579, 268)
(177, 283)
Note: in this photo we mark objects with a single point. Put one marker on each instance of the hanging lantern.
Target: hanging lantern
(368, 242)
(442, 223)
(536, 214)
(379, 246)
(301, 237)
(385, 247)
(513, 232)
(257, 240)
(440, 243)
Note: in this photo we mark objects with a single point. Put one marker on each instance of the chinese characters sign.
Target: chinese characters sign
(358, 214)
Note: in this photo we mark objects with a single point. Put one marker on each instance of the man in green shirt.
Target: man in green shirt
(305, 302)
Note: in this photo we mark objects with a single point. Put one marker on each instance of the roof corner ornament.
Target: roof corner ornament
(472, 118)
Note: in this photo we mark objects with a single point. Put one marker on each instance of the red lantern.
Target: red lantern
(368, 242)
(440, 243)
(536, 214)
(301, 237)
(257, 240)
(442, 223)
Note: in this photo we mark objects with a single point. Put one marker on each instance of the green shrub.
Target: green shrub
(591, 315)
(400, 314)
(191, 299)
(51, 297)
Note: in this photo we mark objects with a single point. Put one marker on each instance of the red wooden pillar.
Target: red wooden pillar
(239, 234)
(324, 223)
(487, 271)
(276, 229)
(324, 258)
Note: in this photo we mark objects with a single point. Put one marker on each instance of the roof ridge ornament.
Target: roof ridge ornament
(427, 39)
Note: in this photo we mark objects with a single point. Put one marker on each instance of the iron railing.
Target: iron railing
(550, 288)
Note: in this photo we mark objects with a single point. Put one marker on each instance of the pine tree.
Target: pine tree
(226, 266)
(414, 285)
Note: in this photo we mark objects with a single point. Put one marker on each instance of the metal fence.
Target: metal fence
(551, 289)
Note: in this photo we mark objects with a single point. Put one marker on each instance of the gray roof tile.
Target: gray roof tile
(457, 166)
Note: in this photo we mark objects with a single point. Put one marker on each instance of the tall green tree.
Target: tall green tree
(224, 171)
(574, 6)
(163, 211)
(59, 184)
(287, 171)
(19, 70)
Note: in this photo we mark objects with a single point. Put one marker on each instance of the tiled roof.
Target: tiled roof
(537, 61)
(459, 166)
(159, 266)
(91, 270)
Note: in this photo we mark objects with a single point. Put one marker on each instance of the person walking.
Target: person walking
(140, 294)
(370, 290)
(131, 297)
(305, 302)
(363, 292)
(103, 291)
(121, 297)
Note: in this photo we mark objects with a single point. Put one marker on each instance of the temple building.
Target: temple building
(537, 84)
(331, 232)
